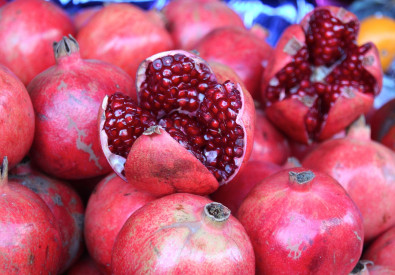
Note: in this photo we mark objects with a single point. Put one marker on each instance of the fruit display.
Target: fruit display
(196, 137)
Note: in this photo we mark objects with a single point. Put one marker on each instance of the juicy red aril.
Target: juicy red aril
(327, 38)
(330, 65)
(183, 98)
(174, 82)
(125, 122)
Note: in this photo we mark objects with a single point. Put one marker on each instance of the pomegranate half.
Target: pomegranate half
(187, 132)
(319, 80)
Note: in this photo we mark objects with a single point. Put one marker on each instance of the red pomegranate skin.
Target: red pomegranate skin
(382, 250)
(28, 28)
(383, 124)
(239, 49)
(189, 21)
(290, 113)
(302, 228)
(82, 17)
(269, 143)
(124, 35)
(109, 206)
(66, 99)
(366, 169)
(85, 266)
(65, 205)
(16, 118)
(381, 270)
(234, 192)
(172, 235)
(30, 242)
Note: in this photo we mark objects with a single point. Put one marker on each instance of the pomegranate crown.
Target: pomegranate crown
(65, 47)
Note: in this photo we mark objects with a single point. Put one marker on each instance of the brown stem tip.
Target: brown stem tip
(217, 211)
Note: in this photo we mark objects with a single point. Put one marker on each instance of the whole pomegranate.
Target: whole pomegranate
(319, 80)
(16, 112)
(30, 239)
(182, 234)
(187, 133)
(366, 169)
(190, 20)
(383, 124)
(241, 50)
(124, 35)
(234, 192)
(382, 250)
(27, 30)
(85, 266)
(66, 98)
(65, 205)
(109, 206)
(302, 221)
(269, 143)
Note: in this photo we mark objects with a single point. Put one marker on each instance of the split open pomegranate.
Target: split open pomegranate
(186, 133)
(320, 80)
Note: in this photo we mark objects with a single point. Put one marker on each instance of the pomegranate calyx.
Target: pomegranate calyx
(361, 266)
(4, 172)
(301, 180)
(153, 129)
(65, 47)
(217, 212)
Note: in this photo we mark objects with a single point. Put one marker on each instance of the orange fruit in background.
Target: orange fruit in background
(381, 31)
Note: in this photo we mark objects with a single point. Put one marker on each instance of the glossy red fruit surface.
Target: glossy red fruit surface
(109, 206)
(383, 124)
(366, 169)
(239, 49)
(82, 17)
(382, 250)
(66, 99)
(85, 266)
(302, 221)
(65, 205)
(16, 112)
(319, 80)
(28, 28)
(234, 192)
(189, 20)
(180, 102)
(182, 234)
(124, 35)
(269, 143)
(30, 242)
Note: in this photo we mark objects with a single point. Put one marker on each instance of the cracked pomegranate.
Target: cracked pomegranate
(366, 169)
(65, 205)
(27, 31)
(302, 221)
(187, 133)
(30, 239)
(66, 98)
(319, 79)
(16, 112)
(183, 234)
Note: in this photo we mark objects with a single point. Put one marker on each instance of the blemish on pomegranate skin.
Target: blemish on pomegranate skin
(61, 86)
(294, 251)
(87, 148)
(358, 237)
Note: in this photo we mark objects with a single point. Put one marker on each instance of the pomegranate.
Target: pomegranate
(190, 20)
(66, 98)
(85, 266)
(182, 234)
(241, 50)
(82, 17)
(383, 124)
(16, 112)
(302, 221)
(30, 242)
(269, 143)
(28, 29)
(319, 80)
(109, 206)
(65, 205)
(124, 35)
(188, 133)
(233, 193)
(382, 250)
(366, 169)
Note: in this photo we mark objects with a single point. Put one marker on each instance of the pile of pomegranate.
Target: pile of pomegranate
(180, 142)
